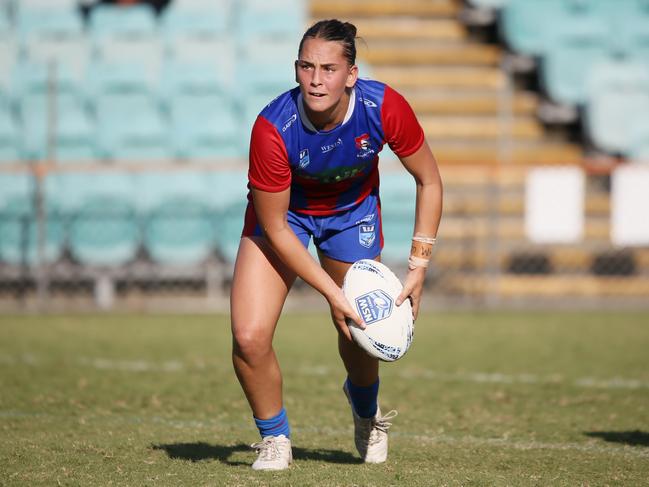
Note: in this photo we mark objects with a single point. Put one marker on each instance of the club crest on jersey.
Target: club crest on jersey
(366, 235)
(374, 306)
(363, 146)
(304, 158)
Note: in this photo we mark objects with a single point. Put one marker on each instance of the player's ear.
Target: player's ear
(352, 76)
(295, 68)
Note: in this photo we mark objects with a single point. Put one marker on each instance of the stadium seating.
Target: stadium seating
(72, 135)
(397, 212)
(204, 126)
(618, 101)
(524, 25)
(179, 226)
(489, 3)
(18, 227)
(566, 67)
(228, 203)
(9, 148)
(130, 127)
(281, 19)
(103, 230)
(127, 35)
(197, 18)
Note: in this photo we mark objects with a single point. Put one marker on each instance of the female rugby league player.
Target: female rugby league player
(314, 174)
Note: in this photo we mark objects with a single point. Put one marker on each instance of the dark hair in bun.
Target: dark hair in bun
(334, 30)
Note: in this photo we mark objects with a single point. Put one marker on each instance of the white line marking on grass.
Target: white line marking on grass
(132, 365)
(498, 378)
(142, 365)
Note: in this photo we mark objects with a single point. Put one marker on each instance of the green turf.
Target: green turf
(515, 398)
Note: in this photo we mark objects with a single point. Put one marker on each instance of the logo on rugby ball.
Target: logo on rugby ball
(374, 306)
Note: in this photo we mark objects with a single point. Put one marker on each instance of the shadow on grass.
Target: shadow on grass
(633, 438)
(196, 452)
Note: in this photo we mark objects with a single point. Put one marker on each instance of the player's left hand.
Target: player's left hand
(413, 288)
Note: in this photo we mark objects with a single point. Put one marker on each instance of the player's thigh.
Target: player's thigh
(336, 268)
(260, 284)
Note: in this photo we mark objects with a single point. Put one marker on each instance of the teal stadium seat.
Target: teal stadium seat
(493, 4)
(106, 78)
(639, 151)
(47, 21)
(127, 34)
(580, 40)
(32, 78)
(398, 194)
(9, 147)
(131, 127)
(204, 126)
(526, 24)
(113, 20)
(18, 227)
(103, 227)
(228, 191)
(618, 101)
(72, 131)
(197, 18)
(179, 227)
(197, 32)
(7, 62)
(280, 19)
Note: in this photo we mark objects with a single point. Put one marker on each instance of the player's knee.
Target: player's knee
(249, 344)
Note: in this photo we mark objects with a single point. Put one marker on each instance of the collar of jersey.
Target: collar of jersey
(311, 127)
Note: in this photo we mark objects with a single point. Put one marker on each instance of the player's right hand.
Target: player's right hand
(341, 311)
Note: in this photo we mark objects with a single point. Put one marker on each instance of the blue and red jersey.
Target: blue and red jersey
(330, 171)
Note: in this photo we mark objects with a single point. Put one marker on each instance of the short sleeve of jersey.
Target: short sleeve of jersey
(268, 166)
(401, 128)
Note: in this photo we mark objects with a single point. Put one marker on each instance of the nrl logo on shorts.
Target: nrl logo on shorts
(374, 306)
(366, 235)
(304, 158)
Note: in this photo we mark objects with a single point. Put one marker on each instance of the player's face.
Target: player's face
(324, 75)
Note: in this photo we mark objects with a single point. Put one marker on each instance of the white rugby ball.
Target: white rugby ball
(372, 289)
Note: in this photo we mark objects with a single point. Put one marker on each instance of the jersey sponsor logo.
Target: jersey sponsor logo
(304, 158)
(289, 122)
(368, 103)
(363, 146)
(366, 235)
(365, 219)
(329, 147)
(374, 306)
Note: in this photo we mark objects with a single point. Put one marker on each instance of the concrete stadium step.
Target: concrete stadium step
(408, 52)
(420, 8)
(550, 286)
(467, 102)
(410, 28)
(511, 229)
(463, 203)
(467, 127)
(560, 259)
(522, 154)
(401, 77)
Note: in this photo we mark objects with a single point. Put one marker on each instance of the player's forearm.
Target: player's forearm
(428, 212)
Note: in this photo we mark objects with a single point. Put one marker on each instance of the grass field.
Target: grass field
(493, 398)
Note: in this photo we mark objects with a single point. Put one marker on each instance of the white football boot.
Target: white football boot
(371, 434)
(275, 453)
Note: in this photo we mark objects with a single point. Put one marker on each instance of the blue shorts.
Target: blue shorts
(347, 236)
